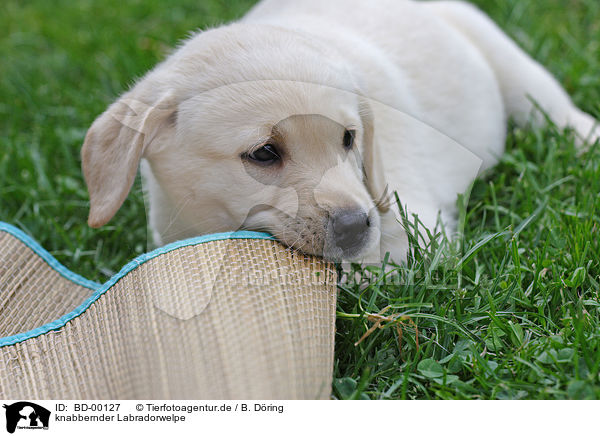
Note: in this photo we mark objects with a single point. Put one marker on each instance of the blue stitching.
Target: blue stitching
(48, 258)
(99, 289)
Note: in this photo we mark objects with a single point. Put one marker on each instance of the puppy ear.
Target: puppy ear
(113, 147)
(373, 165)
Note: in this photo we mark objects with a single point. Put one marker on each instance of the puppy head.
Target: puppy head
(282, 145)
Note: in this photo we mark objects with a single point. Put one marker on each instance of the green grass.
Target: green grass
(513, 310)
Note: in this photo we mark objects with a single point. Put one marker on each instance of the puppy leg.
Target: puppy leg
(522, 80)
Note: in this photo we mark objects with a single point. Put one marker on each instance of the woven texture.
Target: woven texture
(229, 319)
(31, 292)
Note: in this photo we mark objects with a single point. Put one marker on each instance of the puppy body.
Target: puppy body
(425, 90)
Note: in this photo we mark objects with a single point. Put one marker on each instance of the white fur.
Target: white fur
(438, 78)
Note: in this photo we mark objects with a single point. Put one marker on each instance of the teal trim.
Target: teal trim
(48, 258)
(98, 289)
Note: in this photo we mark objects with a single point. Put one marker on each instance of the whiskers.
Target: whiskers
(300, 234)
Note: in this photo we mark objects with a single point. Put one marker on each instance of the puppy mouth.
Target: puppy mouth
(305, 234)
(342, 236)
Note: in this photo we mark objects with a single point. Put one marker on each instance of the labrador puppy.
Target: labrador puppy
(304, 116)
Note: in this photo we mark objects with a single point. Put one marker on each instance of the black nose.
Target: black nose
(350, 229)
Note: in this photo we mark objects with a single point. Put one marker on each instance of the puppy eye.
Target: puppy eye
(349, 138)
(265, 154)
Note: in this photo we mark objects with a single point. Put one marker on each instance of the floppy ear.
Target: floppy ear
(373, 165)
(113, 147)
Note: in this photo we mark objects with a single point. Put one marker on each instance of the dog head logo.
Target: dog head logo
(26, 415)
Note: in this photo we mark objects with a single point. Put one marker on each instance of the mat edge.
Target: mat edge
(100, 289)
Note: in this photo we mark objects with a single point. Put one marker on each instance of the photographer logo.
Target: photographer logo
(26, 415)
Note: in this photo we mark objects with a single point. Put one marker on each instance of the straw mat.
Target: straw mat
(223, 318)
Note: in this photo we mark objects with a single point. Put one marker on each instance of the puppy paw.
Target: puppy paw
(586, 127)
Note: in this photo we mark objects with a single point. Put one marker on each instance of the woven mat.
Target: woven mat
(214, 319)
